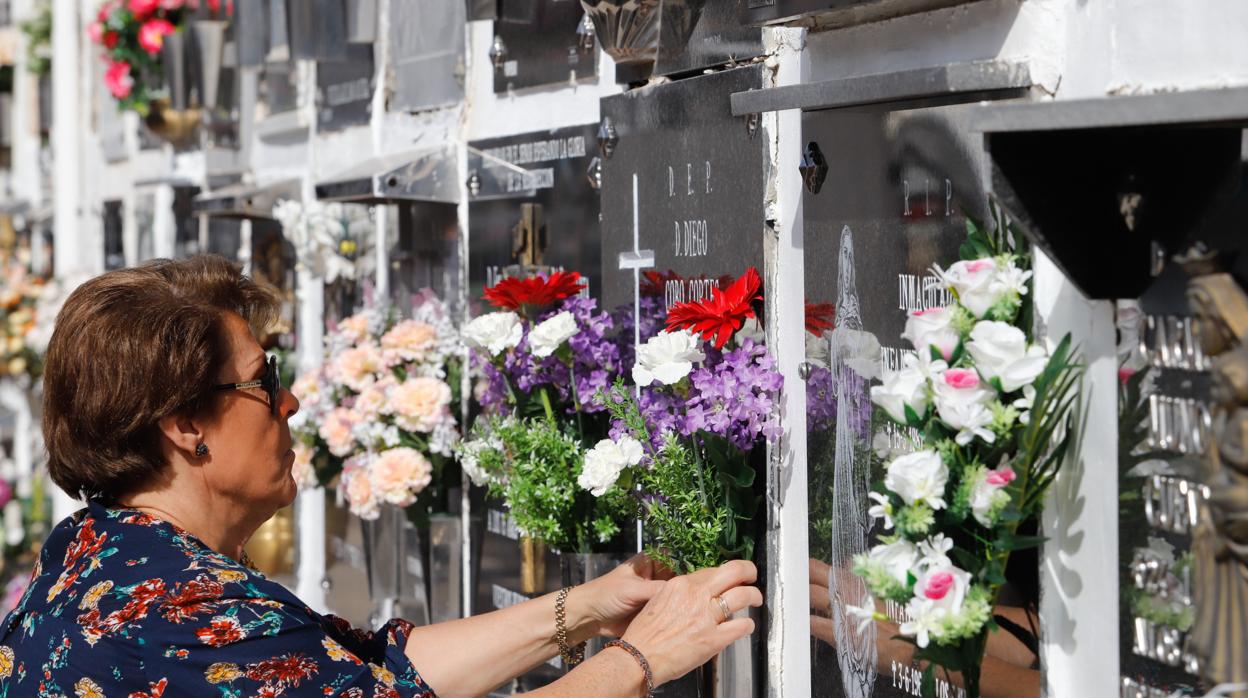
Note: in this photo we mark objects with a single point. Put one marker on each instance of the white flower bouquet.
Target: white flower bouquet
(995, 412)
(378, 418)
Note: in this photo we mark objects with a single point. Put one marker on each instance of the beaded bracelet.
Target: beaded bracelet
(570, 655)
(641, 659)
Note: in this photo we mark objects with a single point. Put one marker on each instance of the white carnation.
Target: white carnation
(549, 335)
(605, 461)
(494, 332)
(667, 357)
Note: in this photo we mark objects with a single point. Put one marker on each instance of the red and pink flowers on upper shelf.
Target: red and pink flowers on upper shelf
(132, 35)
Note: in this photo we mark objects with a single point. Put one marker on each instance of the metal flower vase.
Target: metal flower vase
(631, 31)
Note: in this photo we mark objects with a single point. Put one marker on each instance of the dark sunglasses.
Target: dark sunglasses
(271, 381)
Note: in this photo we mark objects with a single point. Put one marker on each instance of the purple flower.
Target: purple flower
(820, 399)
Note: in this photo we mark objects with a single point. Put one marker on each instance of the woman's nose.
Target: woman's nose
(288, 404)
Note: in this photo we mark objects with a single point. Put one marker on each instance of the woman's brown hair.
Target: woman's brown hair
(130, 347)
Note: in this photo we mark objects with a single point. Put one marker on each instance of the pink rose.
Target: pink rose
(399, 474)
(142, 9)
(152, 34)
(961, 378)
(938, 585)
(118, 79)
(95, 31)
(1001, 476)
(1124, 374)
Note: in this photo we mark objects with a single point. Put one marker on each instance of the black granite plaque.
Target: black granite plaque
(344, 90)
(722, 35)
(546, 168)
(114, 248)
(540, 45)
(898, 187)
(427, 254)
(700, 188)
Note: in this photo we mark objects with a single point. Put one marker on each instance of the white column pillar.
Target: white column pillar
(1079, 563)
(164, 226)
(26, 176)
(66, 140)
(788, 642)
(310, 507)
(67, 163)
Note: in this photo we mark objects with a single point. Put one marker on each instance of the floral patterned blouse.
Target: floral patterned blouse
(124, 605)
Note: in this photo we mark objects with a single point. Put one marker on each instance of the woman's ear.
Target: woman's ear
(181, 432)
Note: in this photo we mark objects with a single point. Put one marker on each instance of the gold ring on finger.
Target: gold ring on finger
(723, 608)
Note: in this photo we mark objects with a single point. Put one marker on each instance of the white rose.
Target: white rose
(605, 461)
(907, 387)
(945, 586)
(973, 283)
(1000, 351)
(549, 335)
(919, 477)
(932, 328)
(898, 558)
(494, 332)
(962, 404)
(667, 358)
(988, 491)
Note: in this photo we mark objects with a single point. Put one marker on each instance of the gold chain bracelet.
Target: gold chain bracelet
(571, 655)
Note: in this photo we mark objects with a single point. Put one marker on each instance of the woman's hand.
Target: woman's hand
(614, 599)
(683, 625)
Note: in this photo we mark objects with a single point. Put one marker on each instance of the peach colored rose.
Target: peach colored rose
(419, 404)
(307, 389)
(302, 471)
(399, 474)
(357, 486)
(358, 367)
(354, 329)
(336, 430)
(373, 401)
(409, 340)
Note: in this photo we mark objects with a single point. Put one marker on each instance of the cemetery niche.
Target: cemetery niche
(889, 190)
(1166, 201)
(532, 209)
(541, 42)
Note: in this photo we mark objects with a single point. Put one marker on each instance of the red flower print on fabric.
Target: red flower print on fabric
(221, 631)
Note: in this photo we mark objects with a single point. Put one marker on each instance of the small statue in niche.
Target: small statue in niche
(1219, 636)
(528, 238)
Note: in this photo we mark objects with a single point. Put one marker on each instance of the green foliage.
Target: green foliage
(534, 468)
(914, 520)
(38, 31)
(700, 494)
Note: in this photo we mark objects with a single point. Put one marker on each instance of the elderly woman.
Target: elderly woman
(162, 412)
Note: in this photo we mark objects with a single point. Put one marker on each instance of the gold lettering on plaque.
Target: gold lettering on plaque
(1219, 637)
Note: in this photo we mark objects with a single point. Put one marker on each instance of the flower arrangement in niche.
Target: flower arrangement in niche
(132, 35)
(996, 413)
(705, 398)
(542, 359)
(21, 295)
(378, 417)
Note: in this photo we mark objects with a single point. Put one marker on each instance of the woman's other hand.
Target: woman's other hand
(683, 625)
(614, 599)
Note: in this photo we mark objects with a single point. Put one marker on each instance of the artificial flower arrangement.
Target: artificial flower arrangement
(686, 436)
(378, 417)
(542, 359)
(996, 412)
(132, 34)
(20, 296)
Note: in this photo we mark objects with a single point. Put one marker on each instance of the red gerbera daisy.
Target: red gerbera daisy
(820, 317)
(720, 316)
(535, 291)
(654, 282)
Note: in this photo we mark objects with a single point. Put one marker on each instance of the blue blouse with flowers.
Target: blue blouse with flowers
(124, 605)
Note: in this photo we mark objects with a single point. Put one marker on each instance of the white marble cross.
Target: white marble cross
(636, 260)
